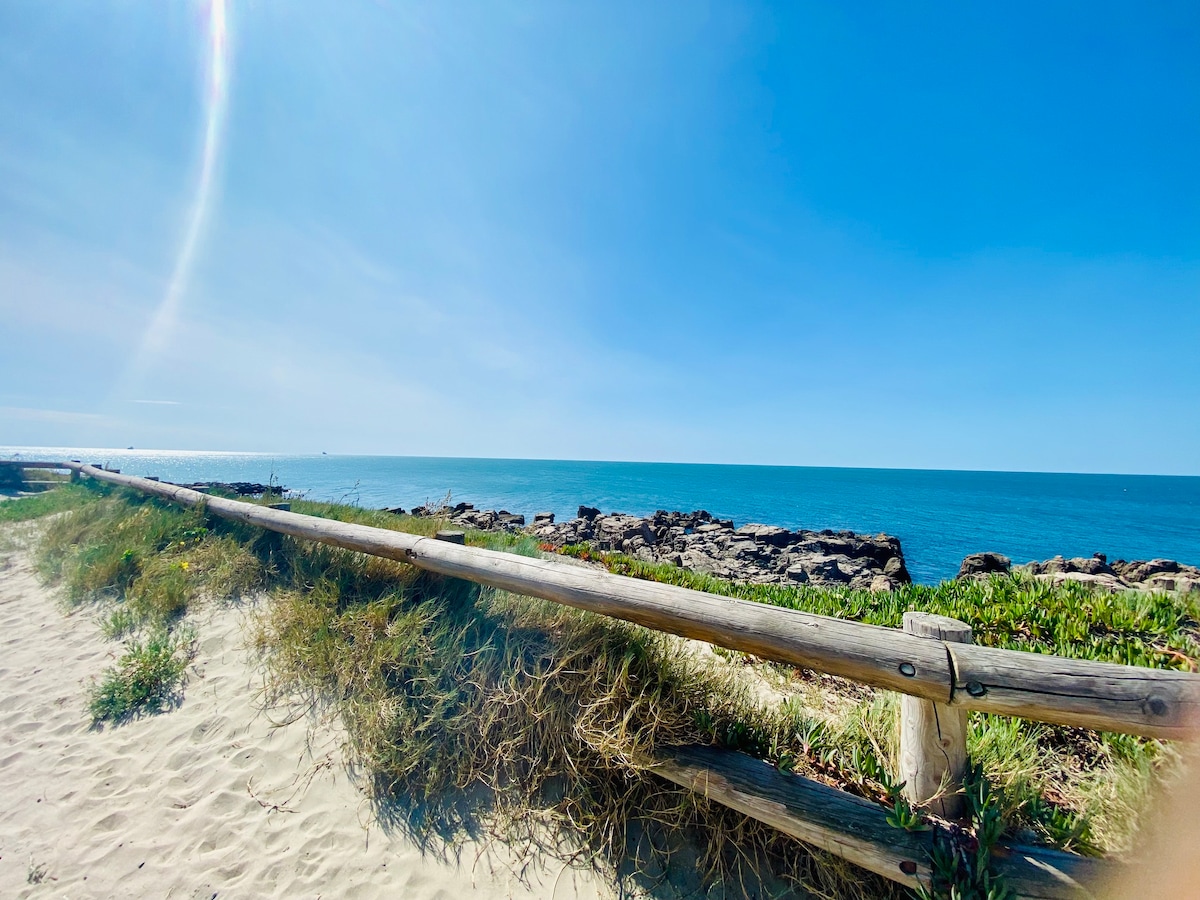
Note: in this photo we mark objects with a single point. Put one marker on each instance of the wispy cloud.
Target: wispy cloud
(158, 402)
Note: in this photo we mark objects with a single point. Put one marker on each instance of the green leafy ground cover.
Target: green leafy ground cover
(1155, 630)
(477, 708)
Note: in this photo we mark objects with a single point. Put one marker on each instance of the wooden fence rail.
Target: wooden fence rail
(857, 830)
(14, 474)
(950, 674)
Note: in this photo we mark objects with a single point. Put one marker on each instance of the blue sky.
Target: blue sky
(913, 235)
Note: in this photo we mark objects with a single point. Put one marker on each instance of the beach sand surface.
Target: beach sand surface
(215, 799)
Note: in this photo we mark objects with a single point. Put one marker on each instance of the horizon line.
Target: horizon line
(321, 453)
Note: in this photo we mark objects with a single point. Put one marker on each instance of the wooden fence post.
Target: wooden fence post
(933, 736)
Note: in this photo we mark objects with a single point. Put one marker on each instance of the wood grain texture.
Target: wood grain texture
(933, 735)
(857, 830)
(1084, 693)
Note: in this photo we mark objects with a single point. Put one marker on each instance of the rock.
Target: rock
(588, 512)
(1096, 571)
(1109, 583)
(980, 565)
(543, 518)
(896, 569)
(241, 488)
(1094, 565)
(1145, 570)
(465, 515)
(827, 570)
(797, 572)
(754, 553)
(766, 534)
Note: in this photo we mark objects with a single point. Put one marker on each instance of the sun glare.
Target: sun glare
(166, 317)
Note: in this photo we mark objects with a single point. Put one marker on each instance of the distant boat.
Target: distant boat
(323, 453)
(128, 448)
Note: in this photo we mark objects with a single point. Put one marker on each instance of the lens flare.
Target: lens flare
(161, 327)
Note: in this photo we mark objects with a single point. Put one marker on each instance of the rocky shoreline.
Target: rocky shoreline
(1096, 571)
(768, 554)
(240, 488)
(758, 554)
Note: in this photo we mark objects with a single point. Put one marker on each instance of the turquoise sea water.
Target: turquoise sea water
(940, 516)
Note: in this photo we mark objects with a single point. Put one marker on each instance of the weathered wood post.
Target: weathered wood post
(933, 736)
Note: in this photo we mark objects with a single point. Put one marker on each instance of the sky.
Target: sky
(911, 235)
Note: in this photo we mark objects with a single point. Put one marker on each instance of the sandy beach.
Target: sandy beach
(217, 798)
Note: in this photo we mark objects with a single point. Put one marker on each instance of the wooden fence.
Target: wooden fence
(14, 474)
(931, 662)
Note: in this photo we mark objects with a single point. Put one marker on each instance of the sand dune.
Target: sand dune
(214, 799)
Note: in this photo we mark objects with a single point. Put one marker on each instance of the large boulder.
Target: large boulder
(981, 565)
(1096, 564)
(1144, 570)
(896, 570)
(766, 534)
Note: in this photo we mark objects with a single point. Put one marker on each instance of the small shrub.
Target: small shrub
(118, 623)
(145, 679)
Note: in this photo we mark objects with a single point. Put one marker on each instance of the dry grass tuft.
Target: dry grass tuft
(480, 710)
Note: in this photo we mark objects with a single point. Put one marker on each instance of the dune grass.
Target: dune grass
(1072, 788)
(139, 563)
(476, 709)
(144, 558)
(35, 506)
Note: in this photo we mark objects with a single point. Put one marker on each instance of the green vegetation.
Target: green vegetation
(1073, 788)
(962, 871)
(146, 678)
(140, 563)
(35, 506)
(1018, 613)
(476, 708)
(144, 559)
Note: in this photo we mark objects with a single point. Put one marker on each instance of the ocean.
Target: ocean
(939, 516)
